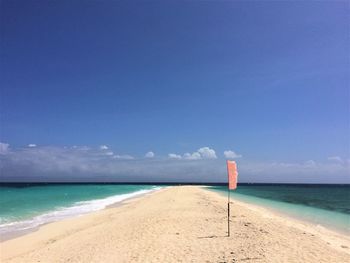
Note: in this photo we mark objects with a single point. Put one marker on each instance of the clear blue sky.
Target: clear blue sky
(267, 80)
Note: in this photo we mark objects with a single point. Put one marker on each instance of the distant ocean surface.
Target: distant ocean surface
(26, 206)
(325, 205)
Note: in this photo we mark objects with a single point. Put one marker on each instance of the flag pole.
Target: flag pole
(228, 211)
(228, 203)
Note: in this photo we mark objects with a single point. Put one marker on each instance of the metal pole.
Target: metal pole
(228, 212)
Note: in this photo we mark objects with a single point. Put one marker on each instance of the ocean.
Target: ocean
(323, 205)
(26, 206)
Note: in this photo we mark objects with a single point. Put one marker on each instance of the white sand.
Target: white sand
(179, 224)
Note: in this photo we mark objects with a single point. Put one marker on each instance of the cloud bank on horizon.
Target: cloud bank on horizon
(101, 164)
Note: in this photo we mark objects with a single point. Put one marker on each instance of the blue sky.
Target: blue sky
(266, 80)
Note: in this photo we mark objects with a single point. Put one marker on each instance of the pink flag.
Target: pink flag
(232, 174)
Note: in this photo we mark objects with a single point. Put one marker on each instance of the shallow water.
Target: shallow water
(325, 205)
(24, 207)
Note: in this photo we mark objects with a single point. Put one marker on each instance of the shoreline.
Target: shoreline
(290, 215)
(300, 223)
(251, 205)
(22, 232)
(178, 223)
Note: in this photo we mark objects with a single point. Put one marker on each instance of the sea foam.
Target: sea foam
(77, 209)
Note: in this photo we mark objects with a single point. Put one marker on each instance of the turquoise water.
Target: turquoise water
(325, 205)
(25, 206)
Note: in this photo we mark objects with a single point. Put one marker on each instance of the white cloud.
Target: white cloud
(335, 159)
(123, 157)
(109, 153)
(193, 156)
(31, 145)
(231, 155)
(310, 163)
(50, 163)
(207, 153)
(80, 148)
(149, 155)
(103, 147)
(174, 156)
(201, 153)
(4, 148)
(295, 172)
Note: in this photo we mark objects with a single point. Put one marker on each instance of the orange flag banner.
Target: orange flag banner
(232, 174)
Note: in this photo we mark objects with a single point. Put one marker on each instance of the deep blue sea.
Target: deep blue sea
(26, 206)
(325, 205)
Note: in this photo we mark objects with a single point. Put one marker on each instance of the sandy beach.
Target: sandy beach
(179, 224)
